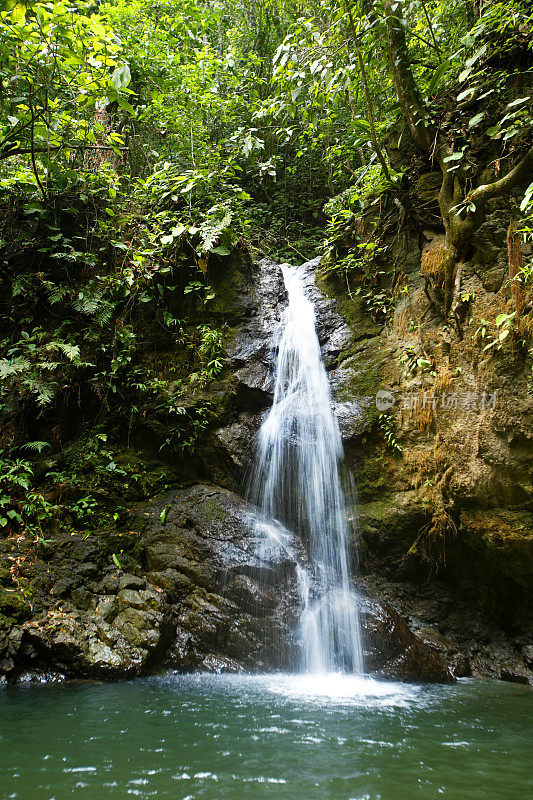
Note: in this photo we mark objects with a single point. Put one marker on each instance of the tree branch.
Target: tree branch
(32, 153)
(430, 26)
(519, 173)
(412, 105)
(464, 227)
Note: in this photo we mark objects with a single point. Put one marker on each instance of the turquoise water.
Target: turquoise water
(276, 736)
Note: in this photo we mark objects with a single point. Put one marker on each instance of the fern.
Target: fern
(104, 313)
(70, 351)
(55, 293)
(87, 302)
(90, 301)
(37, 447)
(13, 366)
(44, 391)
(217, 220)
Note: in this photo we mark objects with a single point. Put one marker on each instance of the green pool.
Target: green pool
(277, 736)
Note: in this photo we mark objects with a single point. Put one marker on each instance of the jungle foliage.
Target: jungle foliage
(143, 146)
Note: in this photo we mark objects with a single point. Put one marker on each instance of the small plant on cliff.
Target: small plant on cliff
(387, 426)
(36, 363)
(430, 544)
(15, 480)
(495, 333)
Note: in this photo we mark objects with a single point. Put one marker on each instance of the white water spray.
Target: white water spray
(298, 482)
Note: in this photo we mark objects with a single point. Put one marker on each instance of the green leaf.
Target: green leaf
(467, 93)
(116, 560)
(122, 102)
(453, 157)
(121, 77)
(18, 14)
(438, 75)
(221, 251)
(527, 197)
(474, 120)
(517, 102)
(476, 56)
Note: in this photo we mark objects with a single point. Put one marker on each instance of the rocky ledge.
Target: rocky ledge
(183, 587)
(198, 595)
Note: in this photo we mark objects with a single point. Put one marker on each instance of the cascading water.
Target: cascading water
(297, 482)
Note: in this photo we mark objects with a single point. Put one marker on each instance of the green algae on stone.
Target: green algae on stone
(14, 606)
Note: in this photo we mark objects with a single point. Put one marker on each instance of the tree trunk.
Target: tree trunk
(459, 224)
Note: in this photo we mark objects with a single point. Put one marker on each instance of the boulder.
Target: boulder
(120, 636)
(233, 596)
(391, 649)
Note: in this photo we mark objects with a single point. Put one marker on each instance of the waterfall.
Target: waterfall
(297, 482)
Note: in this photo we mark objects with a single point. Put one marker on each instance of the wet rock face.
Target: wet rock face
(227, 451)
(392, 650)
(470, 643)
(333, 332)
(232, 608)
(249, 351)
(238, 610)
(249, 354)
(210, 593)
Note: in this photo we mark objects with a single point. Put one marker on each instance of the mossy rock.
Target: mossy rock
(14, 606)
(359, 378)
(6, 623)
(428, 186)
(364, 371)
(146, 476)
(230, 278)
(399, 145)
(213, 512)
(352, 310)
(373, 479)
(397, 517)
(424, 198)
(6, 579)
(504, 541)
(388, 528)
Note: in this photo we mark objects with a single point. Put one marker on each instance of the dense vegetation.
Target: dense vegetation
(146, 146)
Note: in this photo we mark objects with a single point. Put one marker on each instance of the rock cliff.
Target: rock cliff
(180, 585)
